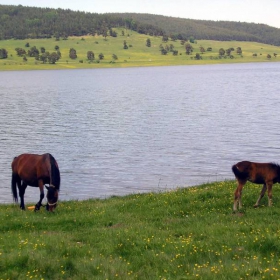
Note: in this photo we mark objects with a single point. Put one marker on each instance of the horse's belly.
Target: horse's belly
(31, 183)
(256, 180)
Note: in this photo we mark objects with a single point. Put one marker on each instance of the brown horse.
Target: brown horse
(258, 173)
(36, 171)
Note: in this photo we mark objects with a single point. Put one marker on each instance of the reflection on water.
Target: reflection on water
(120, 131)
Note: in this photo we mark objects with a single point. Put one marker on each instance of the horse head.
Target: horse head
(52, 197)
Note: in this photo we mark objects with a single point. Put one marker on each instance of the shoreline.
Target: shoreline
(122, 65)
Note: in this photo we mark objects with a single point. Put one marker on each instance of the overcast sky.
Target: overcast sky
(256, 11)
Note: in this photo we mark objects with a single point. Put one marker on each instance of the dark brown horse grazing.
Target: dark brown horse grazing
(258, 173)
(36, 171)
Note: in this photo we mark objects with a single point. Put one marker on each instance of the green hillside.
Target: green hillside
(189, 233)
(136, 54)
(211, 30)
(19, 22)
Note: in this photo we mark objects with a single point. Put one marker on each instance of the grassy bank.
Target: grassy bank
(187, 233)
(137, 54)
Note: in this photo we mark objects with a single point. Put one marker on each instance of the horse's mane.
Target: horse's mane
(275, 164)
(55, 174)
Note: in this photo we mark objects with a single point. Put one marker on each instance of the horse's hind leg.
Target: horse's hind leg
(237, 195)
(22, 188)
(261, 195)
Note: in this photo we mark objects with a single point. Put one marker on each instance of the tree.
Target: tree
(59, 53)
(90, 55)
(3, 53)
(221, 52)
(148, 42)
(268, 56)
(33, 52)
(188, 48)
(43, 50)
(53, 58)
(101, 56)
(44, 57)
(113, 33)
(56, 47)
(72, 53)
(115, 57)
(202, 50)
(27, 45)
(191, 39)
(198, 56)
(20, 51)
(125, 45)
(238, 50)
(104, 30)
(57, 37)
(164, 38)
(228, 52)
(173, 37)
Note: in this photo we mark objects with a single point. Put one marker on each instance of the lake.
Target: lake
(134, 130)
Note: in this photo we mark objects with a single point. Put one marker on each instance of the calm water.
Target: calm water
(121, 131)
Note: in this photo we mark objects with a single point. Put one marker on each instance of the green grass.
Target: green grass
(137, 55)
(188, 233)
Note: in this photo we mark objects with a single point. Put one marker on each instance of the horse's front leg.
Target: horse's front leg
(261, 195)
(42, 195)
(21, 187)
(237, 196)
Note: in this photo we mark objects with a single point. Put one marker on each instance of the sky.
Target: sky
(251, 11)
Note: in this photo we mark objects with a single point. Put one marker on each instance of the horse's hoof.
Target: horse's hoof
(37, 208)
(256, 206)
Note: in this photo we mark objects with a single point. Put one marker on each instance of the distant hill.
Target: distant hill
(21, 22)
(209, 30)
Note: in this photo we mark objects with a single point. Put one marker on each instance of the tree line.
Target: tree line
(182, 29)
(46, 56)
(21, 22)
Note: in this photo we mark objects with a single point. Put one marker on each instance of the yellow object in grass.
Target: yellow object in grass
(31, 207)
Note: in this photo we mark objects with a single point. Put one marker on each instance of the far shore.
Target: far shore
(109, 52)
(63, 66)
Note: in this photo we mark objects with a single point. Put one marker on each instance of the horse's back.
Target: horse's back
(29, 165)
(256, 172)
(248, 165)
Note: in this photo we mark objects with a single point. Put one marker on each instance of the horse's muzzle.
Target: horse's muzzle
(51, 206)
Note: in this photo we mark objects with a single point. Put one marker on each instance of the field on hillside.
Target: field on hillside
(137, 54)
(188, 233)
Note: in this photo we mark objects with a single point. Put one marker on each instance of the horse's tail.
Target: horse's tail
(238, 173)
(54, 173)
(14, 187)
(14, 183)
